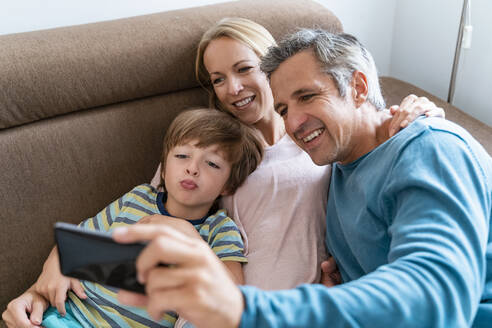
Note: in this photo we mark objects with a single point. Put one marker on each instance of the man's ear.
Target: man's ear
(360, 88)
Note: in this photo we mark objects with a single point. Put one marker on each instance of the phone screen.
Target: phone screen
(95, 256)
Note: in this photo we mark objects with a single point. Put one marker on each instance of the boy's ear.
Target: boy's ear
(225, 192)
(163, 173)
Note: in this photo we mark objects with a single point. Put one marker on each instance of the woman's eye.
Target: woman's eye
(282, 111)
(212, 164)
(245, 69)
(217, 80)
(180, 156)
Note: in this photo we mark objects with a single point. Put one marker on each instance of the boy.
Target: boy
(206, 154)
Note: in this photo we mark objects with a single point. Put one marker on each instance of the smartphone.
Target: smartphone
(94, 256)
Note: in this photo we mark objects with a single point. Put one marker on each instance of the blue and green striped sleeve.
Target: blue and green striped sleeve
(223, 236)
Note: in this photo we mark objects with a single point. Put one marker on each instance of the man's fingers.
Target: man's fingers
(77, 288)
(165, 278)
(163, 300)
(137, 233)
(167, 249)
(167, 246)
(144, 220)
(132, 299)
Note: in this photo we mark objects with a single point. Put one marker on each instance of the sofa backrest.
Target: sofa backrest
(83, 111)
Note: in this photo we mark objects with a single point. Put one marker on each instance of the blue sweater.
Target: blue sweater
(409, 226)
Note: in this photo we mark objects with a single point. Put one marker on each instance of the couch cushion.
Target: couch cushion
(57, 71)
(395, 90)
(68, 168)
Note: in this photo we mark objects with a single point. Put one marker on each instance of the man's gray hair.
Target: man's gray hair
(340, 56)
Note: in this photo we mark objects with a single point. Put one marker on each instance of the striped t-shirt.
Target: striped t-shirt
(101, 308)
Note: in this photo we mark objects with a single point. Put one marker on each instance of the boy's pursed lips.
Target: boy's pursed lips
(188, 184)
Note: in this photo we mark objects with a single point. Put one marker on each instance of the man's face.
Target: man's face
(316, 117)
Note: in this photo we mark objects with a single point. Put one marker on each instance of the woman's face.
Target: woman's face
(239, 84)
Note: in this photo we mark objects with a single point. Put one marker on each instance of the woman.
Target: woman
(280, 208)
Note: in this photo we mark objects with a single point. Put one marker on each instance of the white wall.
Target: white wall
(29, 15)
(371, 22)
(475, 71)
(415, 41)
(424, 40)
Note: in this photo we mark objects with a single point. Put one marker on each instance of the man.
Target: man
(408, 217)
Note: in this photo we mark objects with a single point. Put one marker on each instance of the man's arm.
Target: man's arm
(434, 275)
(436, 264)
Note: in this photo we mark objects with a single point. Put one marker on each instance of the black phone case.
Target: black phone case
(95, 256)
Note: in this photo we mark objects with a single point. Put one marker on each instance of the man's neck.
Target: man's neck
(371, 129)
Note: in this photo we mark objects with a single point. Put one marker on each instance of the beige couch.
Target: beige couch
(83, 111)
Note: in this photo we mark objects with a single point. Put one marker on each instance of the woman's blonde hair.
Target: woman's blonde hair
(243, 30)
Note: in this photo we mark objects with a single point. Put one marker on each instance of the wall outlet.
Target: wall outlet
(467, 37)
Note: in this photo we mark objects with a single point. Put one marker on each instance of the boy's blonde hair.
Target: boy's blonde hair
(243, 30)
(241, 144)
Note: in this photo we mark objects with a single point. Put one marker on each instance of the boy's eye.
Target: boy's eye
(212, 164)
(180, 156)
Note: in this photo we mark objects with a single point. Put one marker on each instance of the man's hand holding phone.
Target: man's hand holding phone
(94, 256)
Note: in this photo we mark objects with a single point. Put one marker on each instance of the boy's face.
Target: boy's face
(194, 177)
